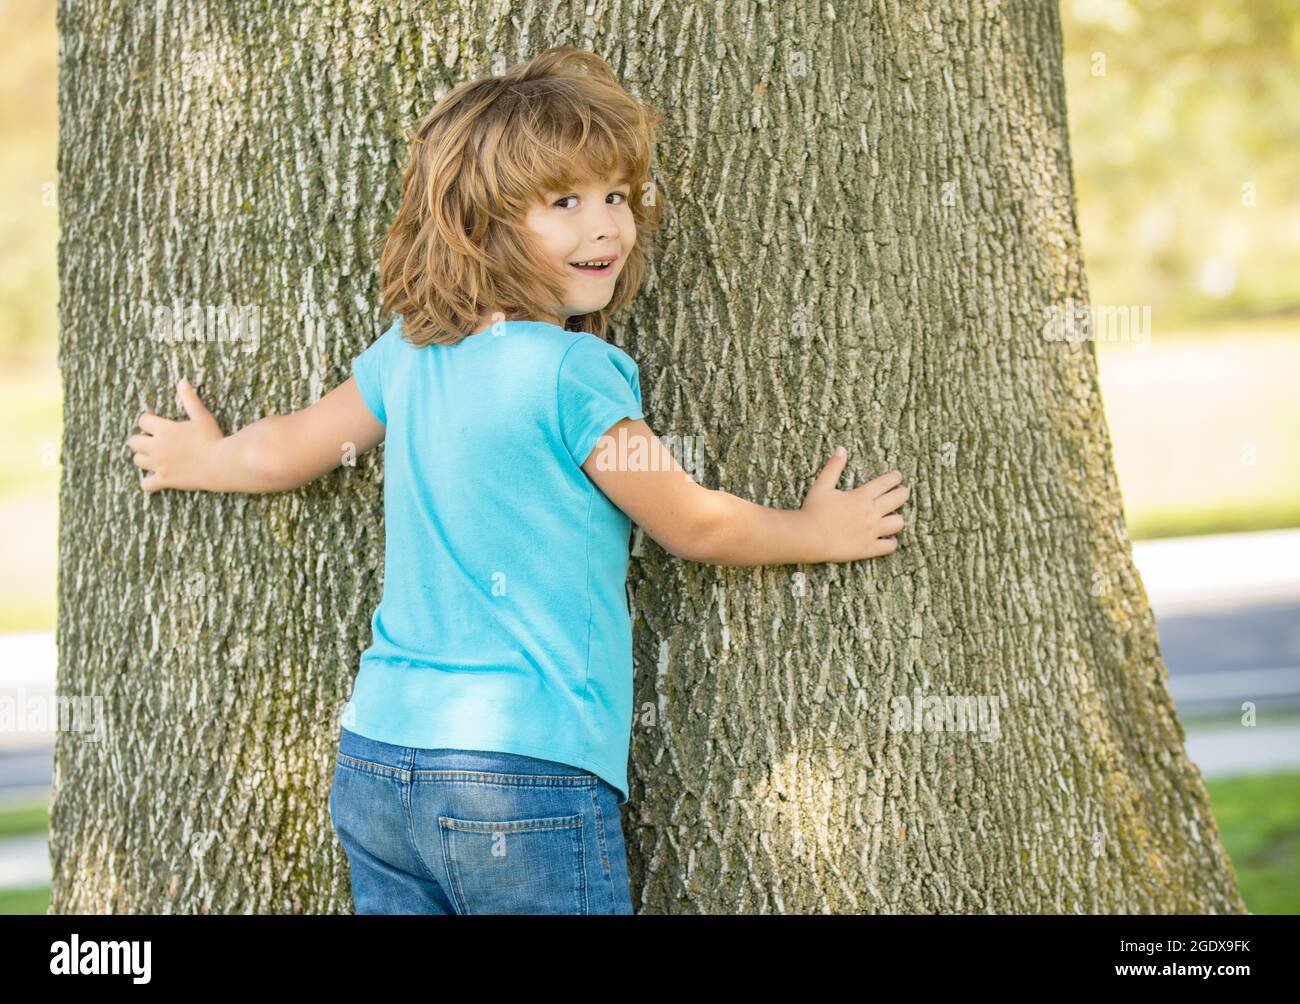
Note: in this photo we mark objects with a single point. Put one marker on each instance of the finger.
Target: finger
(152, 483)
(885, 545)
(831, 471)
(892, 499)
(189, 399)
(153, 423)
(877, 486)
(143, 460)
(140, 442)
(890, 525)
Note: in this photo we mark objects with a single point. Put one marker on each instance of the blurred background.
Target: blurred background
(1185, 136)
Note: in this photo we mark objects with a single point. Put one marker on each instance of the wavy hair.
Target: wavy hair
(483, 156)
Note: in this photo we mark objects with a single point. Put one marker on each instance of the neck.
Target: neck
(488, 319)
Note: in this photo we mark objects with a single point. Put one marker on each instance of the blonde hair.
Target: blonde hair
(483, 156)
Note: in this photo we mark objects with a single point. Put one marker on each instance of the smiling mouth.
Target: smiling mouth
(596, 269)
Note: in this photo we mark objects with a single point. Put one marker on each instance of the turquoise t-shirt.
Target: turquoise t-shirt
(503, 624)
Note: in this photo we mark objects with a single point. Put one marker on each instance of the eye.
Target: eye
(621, 195)
(558, 201)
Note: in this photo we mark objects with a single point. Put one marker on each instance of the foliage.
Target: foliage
(1185, 137)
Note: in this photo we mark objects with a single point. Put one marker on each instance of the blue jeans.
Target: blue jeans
(469, 831)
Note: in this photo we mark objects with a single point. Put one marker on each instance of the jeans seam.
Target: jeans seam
(548, 823)
(371, 767)
(582, 872)
(407, 798)
(453, 874)
(515, 780)
(600, 835)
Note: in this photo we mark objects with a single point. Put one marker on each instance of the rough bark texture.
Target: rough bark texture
(869, 209)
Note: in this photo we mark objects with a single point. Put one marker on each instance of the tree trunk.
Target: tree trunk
(868, 211)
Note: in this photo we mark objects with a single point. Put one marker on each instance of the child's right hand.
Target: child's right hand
(855, 524)
(177, 454)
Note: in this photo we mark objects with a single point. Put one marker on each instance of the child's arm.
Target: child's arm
(717, 528)
(273, 454)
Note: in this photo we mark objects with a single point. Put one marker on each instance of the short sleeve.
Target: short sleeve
(369, 370)
(597, 385)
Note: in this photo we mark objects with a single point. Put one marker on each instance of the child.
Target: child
(483, 755)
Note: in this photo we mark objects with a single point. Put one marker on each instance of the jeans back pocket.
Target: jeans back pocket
(534, 866)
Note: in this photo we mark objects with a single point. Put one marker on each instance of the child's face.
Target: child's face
(593, 219)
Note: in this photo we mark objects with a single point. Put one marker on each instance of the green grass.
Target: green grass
(24, 820)
(34, 900)
(1259, 823)
(1227, 517)
(17, 821)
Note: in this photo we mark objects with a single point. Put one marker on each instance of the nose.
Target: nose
(604, 223)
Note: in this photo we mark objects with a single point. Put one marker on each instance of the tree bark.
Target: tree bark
(869, 210)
